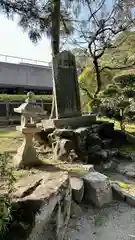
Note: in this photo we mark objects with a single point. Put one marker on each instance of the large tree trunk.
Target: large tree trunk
(55, 40)
(55, 27)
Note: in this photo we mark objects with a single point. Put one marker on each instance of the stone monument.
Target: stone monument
(66, 89)
(66, 94)
(26, 155)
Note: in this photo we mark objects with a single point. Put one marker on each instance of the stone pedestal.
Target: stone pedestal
(73, 122)
(26, 154)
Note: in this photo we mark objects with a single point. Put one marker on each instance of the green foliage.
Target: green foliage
(6, 182)
(36, 17)
(87, 80)
(125, 80)
(110, 91)
(4, 97)
(117, 100)
(122, 52)
(88, 84)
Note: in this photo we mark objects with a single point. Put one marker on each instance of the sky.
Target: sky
(14, 42)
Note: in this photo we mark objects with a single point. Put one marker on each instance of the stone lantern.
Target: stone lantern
(30, 112)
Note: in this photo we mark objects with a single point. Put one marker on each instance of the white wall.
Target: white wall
(20, 74)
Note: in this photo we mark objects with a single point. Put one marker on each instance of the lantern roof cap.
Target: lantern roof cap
(29, 107)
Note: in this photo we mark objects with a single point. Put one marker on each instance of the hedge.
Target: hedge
(10, 97)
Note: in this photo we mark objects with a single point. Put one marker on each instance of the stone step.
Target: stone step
(97, 188)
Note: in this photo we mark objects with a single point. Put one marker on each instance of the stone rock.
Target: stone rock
(97, 188)
(119, 138)
(114, 152)
(94, 139)
(38, 139)
(43, 136)
(95, 128)
(51, 196)
(88, 167)
(127, 169)
(77, 186)
(26, 186)
(98, 156)
(104, 154)
(131, 156)
(81, 140)
(73, 157)
(124, 156)
(129, 198)
(83, 131)
(111, 165)
(106, 130)
(132, 237)
(62, 149)
(117, 192)
(130, 174)
(106, 143)
(76, 211)
(64, 133)
(93, 149)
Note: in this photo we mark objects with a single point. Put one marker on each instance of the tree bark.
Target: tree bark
(98, 77)
(55, 40)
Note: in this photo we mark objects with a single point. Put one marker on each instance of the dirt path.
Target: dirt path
(116, 222)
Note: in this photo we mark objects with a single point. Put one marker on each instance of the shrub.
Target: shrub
(117, 100)
(8, 97)
(124, 79)
(6, 183)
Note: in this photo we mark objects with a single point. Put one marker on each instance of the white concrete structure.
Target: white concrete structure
(25, 74)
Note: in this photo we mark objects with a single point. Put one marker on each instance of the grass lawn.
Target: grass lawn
(128, 127)
(10, 139)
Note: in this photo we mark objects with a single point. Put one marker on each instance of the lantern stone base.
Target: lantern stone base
(26, 155)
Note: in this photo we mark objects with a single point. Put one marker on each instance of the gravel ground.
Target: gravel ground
(115, 222)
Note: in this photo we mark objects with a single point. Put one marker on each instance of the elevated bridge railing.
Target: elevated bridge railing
(20, 60)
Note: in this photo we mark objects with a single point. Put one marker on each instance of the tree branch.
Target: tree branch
(87, 92)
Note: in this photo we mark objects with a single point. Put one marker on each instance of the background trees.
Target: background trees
(109, 40)
(101, 34)
(117, 101)
(104, 36)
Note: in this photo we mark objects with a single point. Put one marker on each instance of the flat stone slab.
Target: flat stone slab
(73, 122)
(77, 186)
(126, 193)
(47, 184)
(127, 169)
(44, 194)
(97, 188)
(27, 185)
